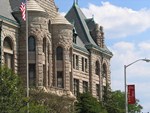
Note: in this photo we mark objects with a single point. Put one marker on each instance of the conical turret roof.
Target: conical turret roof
(32, 5)
(59, 19)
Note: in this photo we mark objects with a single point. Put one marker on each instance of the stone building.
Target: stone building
(66, 55)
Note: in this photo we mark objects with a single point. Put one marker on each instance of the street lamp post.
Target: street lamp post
(125, 81)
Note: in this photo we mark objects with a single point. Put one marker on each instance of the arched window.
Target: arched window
(59, 53)
(7, 43)
(97, 68)
(8, 52)
(104, 71)
(49, 26)
(31, 43)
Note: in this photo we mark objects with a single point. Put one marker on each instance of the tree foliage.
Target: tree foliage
(115, 103)
(52, 102)
(86, 103)
(13, 100)
(11, 92)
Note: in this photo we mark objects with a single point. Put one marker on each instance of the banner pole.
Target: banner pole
(27, 56)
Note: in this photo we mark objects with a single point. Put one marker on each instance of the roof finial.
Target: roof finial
(76, 2)
(93, 16)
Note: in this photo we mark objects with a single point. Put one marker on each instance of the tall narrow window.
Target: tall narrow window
(44, 75)
(105, 91)
(73, 61)
(97, 68)
(59, 53)
(85, 86)
(49, 26)
(77, 62)
(31, 43)
(48, 64)
(104, 71)
(60, 81)
(97, 90)
(32, 75)
(44, 45)
(82, 64)
(8, 52)
(76, 87)
(86, 65)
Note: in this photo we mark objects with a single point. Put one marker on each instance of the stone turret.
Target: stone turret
(62, 40)
(98, 35)
(39, 38)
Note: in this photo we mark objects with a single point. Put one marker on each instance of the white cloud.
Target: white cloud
(124, 54)
(145, 46)
(119, 21)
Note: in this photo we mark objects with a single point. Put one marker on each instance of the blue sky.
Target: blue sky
(127, 34)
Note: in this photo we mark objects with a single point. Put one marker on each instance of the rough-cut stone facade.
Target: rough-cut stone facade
(55, 62)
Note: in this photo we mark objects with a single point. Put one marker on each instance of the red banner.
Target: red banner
(131, 94)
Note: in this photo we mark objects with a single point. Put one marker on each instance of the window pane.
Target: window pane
(7, 43)
(97, 89)
(44, 45)
(82, 64)
(73, 61)
(59, 53)
(32, 75)
(85, 86)
(104, 72)
(97, 66)
(77, 62)
(76, 87)
(8, 58)
(31, 43)
(86, 65)
(60, 83)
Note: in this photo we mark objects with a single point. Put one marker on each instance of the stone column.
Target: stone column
(66, 72)
(39, 63)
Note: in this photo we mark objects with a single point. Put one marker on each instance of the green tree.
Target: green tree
(135, 107)
(11, 92)
(35, 108)
(86, 103)
(52, 103)
(116, 103)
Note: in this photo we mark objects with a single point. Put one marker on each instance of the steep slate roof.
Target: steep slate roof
(90, 23)
(83, 27)
(80, 45)
(6, 11)
(75, 15)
